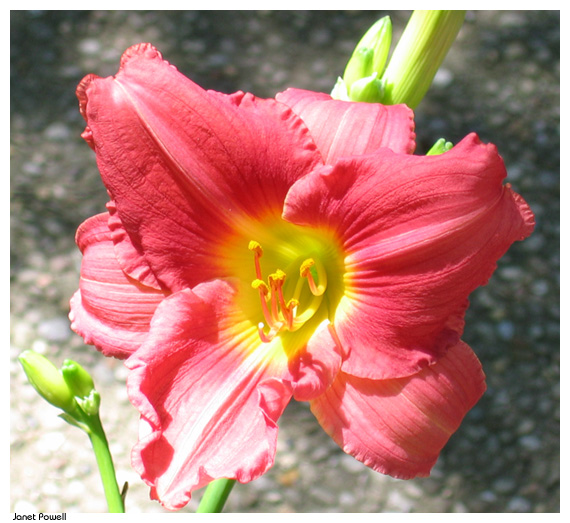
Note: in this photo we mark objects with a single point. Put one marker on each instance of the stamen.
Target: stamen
(255, 247)
(291, 308)
(306, 267)
(277, 276)
(261, 286)
(263, 289)
(278, 313)
(258, 251)
(276, 281)
(306, 272)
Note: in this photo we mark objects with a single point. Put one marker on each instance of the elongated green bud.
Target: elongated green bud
(378, 38)
(418, 55)
(368, 61)
(47, 380)
(359, 66)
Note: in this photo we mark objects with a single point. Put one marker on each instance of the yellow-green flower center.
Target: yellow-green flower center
(291, 281)
(287, 315)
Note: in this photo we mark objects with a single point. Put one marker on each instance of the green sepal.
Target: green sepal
(73, 421)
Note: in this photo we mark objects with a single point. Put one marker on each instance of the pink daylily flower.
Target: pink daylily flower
(254, 251)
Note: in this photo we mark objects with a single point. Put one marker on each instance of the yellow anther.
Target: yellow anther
(277, 277)
(260, 285)
(306, 272)
(306, 267)
(255, 247)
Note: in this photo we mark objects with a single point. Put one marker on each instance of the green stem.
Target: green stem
(216, 495)
(105, 463)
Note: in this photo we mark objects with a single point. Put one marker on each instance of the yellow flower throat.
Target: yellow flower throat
(290, 279)
(281, 314)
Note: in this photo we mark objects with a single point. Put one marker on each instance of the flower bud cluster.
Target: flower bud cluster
(412, 66)
(70, 388)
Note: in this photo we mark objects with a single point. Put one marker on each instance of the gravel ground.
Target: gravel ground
(501, 79)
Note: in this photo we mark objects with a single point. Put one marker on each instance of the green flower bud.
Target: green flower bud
(418, 55)
(81, 384)
(378, 39)
(369, 89)
(77, 378)
(47, 380)
(368, 59)
(359, 66)
(90, 404)
(439, 147)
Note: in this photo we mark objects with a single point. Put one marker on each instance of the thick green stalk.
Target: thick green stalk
(216, 495)
(105, 464)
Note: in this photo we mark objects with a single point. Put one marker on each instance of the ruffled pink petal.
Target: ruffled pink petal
(186, 167)
(420, 234)
(398, 427)
(209, 393)
(315, 367)
(110, 310)
(351, 128)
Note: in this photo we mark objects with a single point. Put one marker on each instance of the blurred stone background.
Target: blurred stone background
(501, 79)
